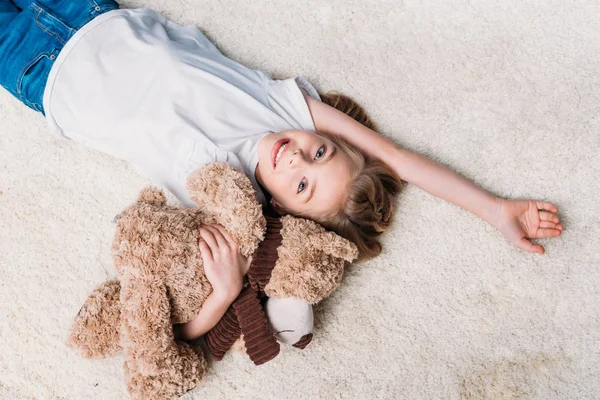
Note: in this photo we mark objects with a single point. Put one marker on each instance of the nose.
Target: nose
(296, 158)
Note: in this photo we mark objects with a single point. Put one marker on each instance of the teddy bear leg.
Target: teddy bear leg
(156, 367)
(95, 330)
(184, 377)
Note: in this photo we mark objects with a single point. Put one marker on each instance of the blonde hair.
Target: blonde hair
(369, 205)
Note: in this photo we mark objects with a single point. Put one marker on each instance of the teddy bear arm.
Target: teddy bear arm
(156, 366)
(95, 330)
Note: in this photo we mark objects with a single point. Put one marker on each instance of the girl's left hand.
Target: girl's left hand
(519, 220)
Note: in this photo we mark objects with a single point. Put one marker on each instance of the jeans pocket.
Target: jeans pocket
(32, 79)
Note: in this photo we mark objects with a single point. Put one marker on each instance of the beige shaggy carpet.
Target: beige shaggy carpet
(505, 92)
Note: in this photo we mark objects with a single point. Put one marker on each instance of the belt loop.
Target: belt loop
(99, 7)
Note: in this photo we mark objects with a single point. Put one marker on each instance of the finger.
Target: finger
(205, 251)
(222, 243)
(209, 238)
(529, 247)
(547, 224)
(546, 233)
(247, 266)
(548, 216)
(544, 205)
(551, 225)
(225, 234)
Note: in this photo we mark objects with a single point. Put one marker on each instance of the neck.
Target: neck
(260, 183)
(257, 175)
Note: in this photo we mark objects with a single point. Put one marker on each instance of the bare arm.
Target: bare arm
(517, 220)
(411, 167)
(211, 312)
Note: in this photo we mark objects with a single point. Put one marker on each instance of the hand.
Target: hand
(224, 266)
(522, 219)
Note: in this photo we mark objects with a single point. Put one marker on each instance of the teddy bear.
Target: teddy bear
(161, 281)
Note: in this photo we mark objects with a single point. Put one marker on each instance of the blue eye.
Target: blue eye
(302, 185)
(320, 152)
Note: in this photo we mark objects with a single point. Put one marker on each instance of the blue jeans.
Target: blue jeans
(32, 33)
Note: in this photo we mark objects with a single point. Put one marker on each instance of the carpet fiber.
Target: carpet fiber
(506, 93)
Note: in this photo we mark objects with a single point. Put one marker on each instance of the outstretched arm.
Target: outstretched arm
(516, 219)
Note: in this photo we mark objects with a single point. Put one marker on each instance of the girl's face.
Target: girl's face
(306, 174)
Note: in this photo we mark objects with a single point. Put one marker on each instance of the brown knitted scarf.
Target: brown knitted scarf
(246, 316)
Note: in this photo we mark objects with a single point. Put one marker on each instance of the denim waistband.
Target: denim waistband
(31, 39)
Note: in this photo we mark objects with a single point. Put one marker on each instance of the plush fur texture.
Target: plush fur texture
(308, 265)
(162, 281)
(95, 332)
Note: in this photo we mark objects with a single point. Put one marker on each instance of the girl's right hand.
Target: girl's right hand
(520, 220)
(224, 266)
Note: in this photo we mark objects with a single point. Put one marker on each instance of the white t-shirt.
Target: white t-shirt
(161, 96)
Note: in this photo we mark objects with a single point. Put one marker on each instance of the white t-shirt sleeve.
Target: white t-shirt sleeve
(286, 99)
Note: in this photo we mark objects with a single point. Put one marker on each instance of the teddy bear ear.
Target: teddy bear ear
(152, 195)
(319, 238)
(335, 245)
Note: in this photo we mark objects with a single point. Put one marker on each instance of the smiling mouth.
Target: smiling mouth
(278, 149)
